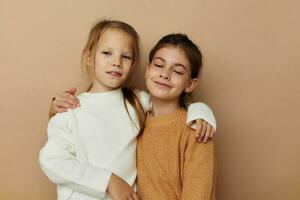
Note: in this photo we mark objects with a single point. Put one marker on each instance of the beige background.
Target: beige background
(250, 79)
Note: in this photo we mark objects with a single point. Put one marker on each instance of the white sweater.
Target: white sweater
(86, 145)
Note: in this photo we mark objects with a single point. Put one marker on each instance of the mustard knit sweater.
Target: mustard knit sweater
(171, 164)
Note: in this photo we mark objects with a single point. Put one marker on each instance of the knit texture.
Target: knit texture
(171, 164)
(87, 144)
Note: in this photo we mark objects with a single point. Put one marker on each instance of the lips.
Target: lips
(114, 73)
(163, 85)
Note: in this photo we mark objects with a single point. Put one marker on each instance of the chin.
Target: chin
(114, 85)
(163, 95)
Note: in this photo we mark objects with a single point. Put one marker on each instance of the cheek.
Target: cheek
(149, 74)
(181, 81)
(97, 72)
(154, 71)
(98, 57)
(98, 63)
(128, 66)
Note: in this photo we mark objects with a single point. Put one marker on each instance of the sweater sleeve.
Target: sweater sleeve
(197, 110)
(198, 174)
(201, 111)
(145, 100)
(58, 161)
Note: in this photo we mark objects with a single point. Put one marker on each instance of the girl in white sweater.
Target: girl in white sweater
(91, 151)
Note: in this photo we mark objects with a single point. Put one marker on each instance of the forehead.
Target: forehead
(113, 37)
(172, 54)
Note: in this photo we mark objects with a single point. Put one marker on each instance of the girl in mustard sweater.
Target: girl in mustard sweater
(171, 165)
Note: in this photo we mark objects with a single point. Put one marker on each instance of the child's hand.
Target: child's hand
(204, 131)
(63, 101)
(118, 189)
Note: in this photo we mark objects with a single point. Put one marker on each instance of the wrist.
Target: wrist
(111, 182)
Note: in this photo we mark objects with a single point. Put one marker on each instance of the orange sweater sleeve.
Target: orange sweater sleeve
(198, 172)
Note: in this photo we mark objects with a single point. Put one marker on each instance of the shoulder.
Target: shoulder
(188, 137)
(83, 97)
(195, 151)
(142, 94)
(201, 110)
(200, 104)
(189, 141)
(144, 98)
(178, 124)
(61, 119)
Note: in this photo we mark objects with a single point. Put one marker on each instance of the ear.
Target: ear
(191, 85)
(87, 57)
(86, 53)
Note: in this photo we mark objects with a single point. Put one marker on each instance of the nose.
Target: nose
(165, 74)
(117, 62)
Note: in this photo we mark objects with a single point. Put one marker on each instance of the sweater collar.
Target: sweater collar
(165, 119)
(108, 95)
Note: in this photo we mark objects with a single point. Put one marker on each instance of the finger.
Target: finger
(62, 104)
(68, 100)
(212, 133)
(200, 138)
(198, 127)
(68, 95)
(72, 90)
(135, 196)
(53, 111)
(71, 96)
(130, 198)
(61, 110)
(207, 133)
(190, 123)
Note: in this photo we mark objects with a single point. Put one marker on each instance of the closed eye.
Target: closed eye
(127, 57)
(178, 72)
(106, 53)
(157, 65)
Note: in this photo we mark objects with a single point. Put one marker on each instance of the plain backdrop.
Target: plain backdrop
(250, 79)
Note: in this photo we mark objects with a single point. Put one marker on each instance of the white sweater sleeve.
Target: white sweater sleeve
(200, 111)
(58, 161)
(195, 110)
(145, 100)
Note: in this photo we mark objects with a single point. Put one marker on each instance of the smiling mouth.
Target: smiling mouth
(163, 85)
(114, 73)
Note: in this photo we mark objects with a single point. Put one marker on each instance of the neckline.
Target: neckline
(165, 119)
(103, 95)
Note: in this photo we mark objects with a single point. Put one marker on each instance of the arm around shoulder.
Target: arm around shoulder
(200, 110)
(145, 100)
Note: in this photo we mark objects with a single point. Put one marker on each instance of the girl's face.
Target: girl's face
(168, 74)
(113, 60)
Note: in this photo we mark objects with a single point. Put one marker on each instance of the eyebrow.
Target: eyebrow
(176, 64)
(110, 48)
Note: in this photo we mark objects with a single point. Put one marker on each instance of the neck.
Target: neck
(96, 88)
(163, 107)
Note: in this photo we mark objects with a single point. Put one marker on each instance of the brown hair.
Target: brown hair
(89, 51)
(191, 50)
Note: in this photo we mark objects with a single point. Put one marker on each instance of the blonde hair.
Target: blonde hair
(129, 94)
(90, 48)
